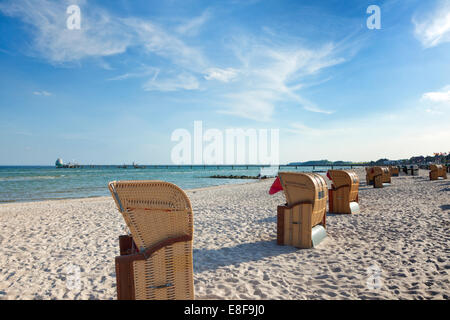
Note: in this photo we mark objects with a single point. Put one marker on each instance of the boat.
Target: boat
(60, 164)
(136, 166)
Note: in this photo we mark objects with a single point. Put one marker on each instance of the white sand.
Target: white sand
(403, 230)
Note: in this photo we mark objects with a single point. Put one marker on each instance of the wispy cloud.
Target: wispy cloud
(437, 102)
(433, 28)
(143, 72)
(273, 72)
(183, 81)
(99, 34)
(158, 41)
(192, 26)
(263, 70)
(303, 130)
(42, 93)
(224, 75)
(102, 34)
(313, 108)
(438, 96)
(5, 51)
(256, 105)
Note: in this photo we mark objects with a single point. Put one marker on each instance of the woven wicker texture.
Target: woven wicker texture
(344, 191)
(155, 211)
(166, 275)
(381, 175)
(348, 178)
(437, 171)
(384, 172)
(369, 175)
(394, 170)
(306, 188)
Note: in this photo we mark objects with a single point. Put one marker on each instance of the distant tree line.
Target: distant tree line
(322, 163)
(438, 157)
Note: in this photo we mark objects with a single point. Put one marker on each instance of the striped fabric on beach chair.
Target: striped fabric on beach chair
(156, 260)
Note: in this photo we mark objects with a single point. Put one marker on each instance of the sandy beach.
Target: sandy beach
(65, 249)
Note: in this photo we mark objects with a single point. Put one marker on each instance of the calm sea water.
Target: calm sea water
(40, 183)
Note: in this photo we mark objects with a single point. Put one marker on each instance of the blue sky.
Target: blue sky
(115, 90)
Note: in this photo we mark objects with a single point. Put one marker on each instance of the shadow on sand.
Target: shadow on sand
(215, 258)
(267, 220)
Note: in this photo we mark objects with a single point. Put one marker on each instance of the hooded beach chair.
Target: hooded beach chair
(394, 171)
(405, 169)
(438, 171)
(155, 262)
(302, 221)
(343, 195)
(369, 175)
(412, 170)
(381, 177)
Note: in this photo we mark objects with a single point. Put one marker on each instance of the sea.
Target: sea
(35, 183)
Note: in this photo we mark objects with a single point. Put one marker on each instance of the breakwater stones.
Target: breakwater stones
(237, 177)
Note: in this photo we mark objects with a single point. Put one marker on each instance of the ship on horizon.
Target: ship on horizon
(60, 164)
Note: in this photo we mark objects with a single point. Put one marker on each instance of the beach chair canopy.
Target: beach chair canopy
(160, 218)
(345, 178)
(342, 178)
(153, 210)
(381, 171)
(303, 187)
(436, 167)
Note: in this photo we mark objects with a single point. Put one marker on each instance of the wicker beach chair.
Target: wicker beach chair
(412, 170)
(369, 175)
(394, 171)
(343, 195)
(405, 169)
(438, 171)
(381, 177)
(156, 260)
(302, 221)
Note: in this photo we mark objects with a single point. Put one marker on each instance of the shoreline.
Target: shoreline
(107, 196)
(30, 185)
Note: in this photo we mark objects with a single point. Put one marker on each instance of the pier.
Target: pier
(206, 167)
